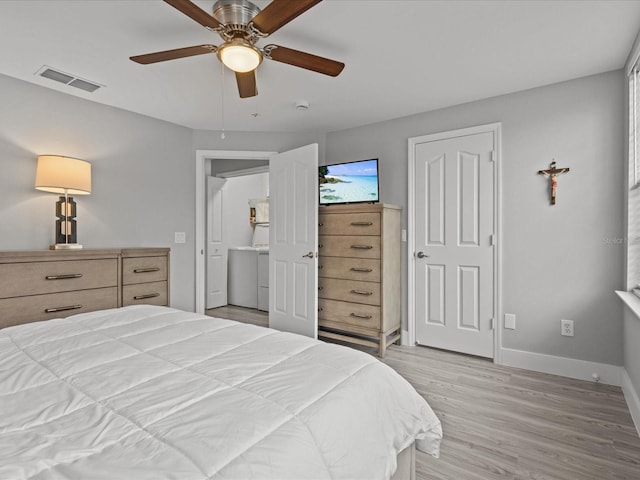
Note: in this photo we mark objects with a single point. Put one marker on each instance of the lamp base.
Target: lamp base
(65, 246)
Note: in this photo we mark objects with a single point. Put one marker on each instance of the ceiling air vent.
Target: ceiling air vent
(67, 79)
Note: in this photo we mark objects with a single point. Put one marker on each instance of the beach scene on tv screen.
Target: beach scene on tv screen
(349, 182)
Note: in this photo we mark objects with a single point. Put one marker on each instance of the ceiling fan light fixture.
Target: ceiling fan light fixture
(239, 55)
(241, 25)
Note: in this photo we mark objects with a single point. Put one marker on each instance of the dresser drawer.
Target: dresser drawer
(349, 246)
(332, 312)
(366, 269)
(154, 293)
(144, 269)
(349, 224)
(349, 290)
(15, 311)
(36, 278)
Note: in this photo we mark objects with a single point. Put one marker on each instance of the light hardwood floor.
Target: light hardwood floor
(506, 423)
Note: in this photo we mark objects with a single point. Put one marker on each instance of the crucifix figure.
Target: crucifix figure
(552, 172)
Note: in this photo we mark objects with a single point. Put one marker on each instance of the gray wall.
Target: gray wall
(221, 165)
(237, 192)
(258, 141)
(142, 176)
(559, 262)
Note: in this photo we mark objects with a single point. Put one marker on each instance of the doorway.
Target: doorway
(237, 238)
(203, 170)
(454, 254)
(292, 263)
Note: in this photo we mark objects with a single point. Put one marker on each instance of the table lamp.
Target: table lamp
(70, 176)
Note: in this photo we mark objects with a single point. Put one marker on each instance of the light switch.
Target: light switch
(180, 237)
(510, 321)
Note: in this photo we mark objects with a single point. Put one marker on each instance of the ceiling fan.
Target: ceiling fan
(241, 24)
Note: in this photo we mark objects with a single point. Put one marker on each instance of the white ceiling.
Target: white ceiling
(402, 57)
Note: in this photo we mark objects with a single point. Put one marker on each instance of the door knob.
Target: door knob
(308, 255)
(421, 255)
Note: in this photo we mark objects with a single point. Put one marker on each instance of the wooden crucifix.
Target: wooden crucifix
(552, 173)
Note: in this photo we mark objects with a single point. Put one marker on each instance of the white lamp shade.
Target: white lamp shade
(58, 174)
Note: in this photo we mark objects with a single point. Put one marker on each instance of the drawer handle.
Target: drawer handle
(320, 309)
(363, 270)
(359, 315)
(361, 224)
(146, 270)
(320, 267)
(320, 289)
(321, 224)
(149, 295)
(320, 245)
(63, 277)
(62, 309)
(361, 292)
(362, 247)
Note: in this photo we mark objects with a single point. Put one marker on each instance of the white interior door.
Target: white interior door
(217, 252)
(293, 241)
(453, 239)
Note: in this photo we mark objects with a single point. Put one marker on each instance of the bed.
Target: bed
(147, 392)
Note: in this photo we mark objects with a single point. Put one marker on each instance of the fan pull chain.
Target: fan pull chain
(222, 135)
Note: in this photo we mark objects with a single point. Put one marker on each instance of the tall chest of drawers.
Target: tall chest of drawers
(41, 285)
(359, 274)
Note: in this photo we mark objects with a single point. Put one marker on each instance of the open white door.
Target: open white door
(216, 247)
(293, 241)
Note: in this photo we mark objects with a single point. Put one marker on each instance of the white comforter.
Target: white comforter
(155, 393)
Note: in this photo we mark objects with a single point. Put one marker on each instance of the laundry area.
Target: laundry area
(240, 216)
(248, 277)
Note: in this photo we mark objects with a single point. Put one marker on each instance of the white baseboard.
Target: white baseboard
(567, 367)
(404, 338)
(632, 398)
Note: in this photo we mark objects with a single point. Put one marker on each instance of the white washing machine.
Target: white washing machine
(244, 286)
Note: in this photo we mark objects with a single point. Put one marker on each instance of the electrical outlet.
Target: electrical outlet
(180, 237)
(510, 321)
(566, 328)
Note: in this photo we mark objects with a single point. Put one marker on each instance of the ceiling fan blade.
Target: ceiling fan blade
(280, 12)
(304, 60)
(194, 12)
(247, 86)
(173, 54)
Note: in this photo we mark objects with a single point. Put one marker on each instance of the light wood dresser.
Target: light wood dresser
(145, 276)
(40, 285)
(359, 269)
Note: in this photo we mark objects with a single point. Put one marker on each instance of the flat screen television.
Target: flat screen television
(349, 182)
